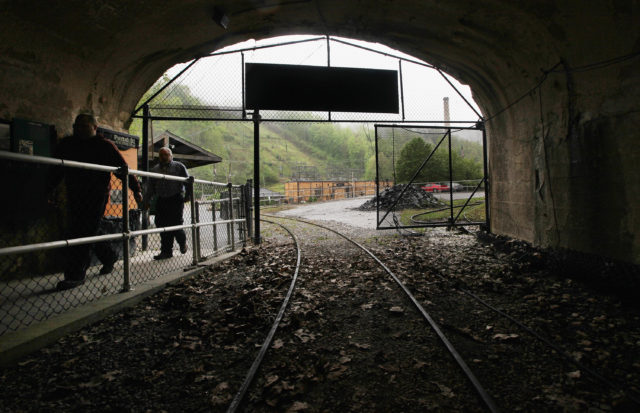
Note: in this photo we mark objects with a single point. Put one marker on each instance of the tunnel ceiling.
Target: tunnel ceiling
(112, 51)
(564, 131)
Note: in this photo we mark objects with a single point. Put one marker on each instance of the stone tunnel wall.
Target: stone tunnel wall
(563, 160)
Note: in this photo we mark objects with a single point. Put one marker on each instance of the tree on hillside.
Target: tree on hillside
(413, 155)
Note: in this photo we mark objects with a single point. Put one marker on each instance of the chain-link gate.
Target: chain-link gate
(212, 88)
(435, 182)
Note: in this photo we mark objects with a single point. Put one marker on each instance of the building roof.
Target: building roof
(189, 154)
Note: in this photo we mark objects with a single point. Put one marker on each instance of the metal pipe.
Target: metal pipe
(198, 237)
(460, 94)
(224, 221)
(247, 206)
(244, 103)
(155, 230)
(450, 177)
(23, 249)
(124, 176)
(145, 167)
(486, 178)
(377, 180)
(469, 200)
(436, 225)
(256, 175)
(159, 230)
(215, 227)
(401, 87)
(240, 213)
(231, 225)
(195, 244)
(239, 119)
(159, 176)
(328, 65)
(12, 156)
(248, 49)
(146, 102)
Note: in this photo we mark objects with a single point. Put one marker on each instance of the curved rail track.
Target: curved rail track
(237, 400)
(482, 393)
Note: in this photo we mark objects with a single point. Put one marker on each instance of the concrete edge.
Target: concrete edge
(15, 345)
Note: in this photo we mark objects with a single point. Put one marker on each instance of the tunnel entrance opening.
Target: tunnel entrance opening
(205, 101)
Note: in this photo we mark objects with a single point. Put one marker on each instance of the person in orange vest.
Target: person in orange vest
(87, 195)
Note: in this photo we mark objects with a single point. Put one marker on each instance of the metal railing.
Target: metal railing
(34, 257)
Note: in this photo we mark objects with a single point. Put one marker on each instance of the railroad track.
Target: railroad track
(483, 396)
(251, 375)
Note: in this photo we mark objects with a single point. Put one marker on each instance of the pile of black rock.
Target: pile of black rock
(413, 197)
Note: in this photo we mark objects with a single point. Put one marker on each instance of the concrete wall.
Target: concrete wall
(563, 160)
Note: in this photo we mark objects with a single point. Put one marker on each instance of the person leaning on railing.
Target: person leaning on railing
(87, 196)
(170, 198)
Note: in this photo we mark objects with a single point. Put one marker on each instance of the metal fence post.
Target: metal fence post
(124, 176)
(240, 212)
(199, 239)
(215, 227)
(232, 226)
(195, 242)
(144, 165)
(247, 206)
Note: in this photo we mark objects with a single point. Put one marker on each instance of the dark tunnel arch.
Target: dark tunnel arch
(574, 123)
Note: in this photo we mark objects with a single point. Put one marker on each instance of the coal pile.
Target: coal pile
(414, 197)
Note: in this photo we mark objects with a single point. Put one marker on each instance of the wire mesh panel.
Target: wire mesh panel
(80, 204)
(78, 248)
(212, 87)
(438, 176)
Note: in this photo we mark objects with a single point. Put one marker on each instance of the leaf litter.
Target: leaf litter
(350, 341)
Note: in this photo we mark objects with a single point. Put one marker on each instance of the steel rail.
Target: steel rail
(235, 403)
(488, 401)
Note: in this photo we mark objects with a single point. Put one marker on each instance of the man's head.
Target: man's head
(165, 155)
(85, 126)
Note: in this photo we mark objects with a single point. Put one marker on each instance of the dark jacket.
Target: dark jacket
(87, 184)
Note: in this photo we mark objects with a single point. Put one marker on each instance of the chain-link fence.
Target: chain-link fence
(439, 175)
(78, 246)
(212, 87)
(311, 191)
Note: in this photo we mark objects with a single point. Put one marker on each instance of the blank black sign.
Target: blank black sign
(319, 88)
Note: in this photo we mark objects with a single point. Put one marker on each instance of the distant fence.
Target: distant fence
(309, 191)
(36, 248)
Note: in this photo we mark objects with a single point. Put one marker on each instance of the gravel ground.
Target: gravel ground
(349, 341)
(342, 212)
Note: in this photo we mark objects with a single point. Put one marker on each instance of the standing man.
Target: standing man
(87, 195)
(171, 196)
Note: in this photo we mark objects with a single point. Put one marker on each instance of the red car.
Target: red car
(435, 187)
